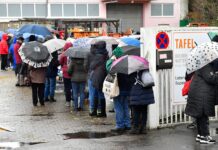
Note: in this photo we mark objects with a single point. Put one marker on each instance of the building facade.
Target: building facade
(132, 13)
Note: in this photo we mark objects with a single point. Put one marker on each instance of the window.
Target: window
(168, 10)
(28, 10)
(3, 10)
(93, 10)
(56, 10)
(14, 10)
(41, 10)
(165, 9)
(81, 10)
(69, 10)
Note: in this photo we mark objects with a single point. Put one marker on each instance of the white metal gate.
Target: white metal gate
(169, 113)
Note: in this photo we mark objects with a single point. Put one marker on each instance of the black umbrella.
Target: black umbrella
(35, 54)
(131, 50)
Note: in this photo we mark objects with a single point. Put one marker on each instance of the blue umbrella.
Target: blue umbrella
(34, 29)
(12, 31)
(1, 33)
(82, 42)
(130, 41)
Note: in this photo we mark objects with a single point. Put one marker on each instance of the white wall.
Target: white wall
(183, 8)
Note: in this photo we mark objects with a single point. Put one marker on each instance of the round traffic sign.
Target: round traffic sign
(162, 40)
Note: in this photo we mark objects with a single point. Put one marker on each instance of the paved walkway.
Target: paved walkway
(48, 124)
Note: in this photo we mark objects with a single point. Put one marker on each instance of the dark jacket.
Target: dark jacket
(90, 58)
(98, 64)
(215, 65)
(140, 95)
(125, 83)
(52, 69)
(77, 70)
(202, 95)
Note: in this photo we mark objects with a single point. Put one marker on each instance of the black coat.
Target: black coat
(202, 93)
(98, 65)
(52, 69)
(215, 65)
(140, 95)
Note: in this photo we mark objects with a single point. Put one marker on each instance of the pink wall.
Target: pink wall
(150, 21)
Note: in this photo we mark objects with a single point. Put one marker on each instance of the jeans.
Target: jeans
(50, 85)
(67, 89)
(92, 95)
(78, 90)
(122, 112)
(140, 115)
(203, 125)
(38, 92)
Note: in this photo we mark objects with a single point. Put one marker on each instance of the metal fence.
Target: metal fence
(171, 114)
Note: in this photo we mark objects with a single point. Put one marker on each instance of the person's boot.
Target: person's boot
(102, 114)
(134, 130)
(94, 111)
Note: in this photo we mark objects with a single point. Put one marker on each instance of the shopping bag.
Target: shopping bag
(186, 87)
(110, 86)
(147, 79)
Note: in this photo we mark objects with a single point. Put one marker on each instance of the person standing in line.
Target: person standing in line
(78, 78)
(140, 98)
(121, 104)
(37, 78)
(67, 78)
(4, 52)
(51, 74)
(97, 76)
(201, 101)
(17, 56)
(93, 99)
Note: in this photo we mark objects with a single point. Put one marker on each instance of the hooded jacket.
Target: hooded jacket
(4, 44)
(98, 63)
(11, 52)
(63, 61)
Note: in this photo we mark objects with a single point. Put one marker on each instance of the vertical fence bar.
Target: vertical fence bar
(166, 99)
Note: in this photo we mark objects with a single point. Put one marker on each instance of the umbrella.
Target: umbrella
(130, 41)
(12, 31)
(131, 50)
(201, 55)
(35, 54)
(110, 41)
(54, 44)
(1, 33)
(82, 42)
(34, 29)
(77, 52)
(129, 64)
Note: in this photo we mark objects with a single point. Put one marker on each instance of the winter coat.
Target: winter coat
(140, 95)
(11, 52)
(125, 83)
(77, 71)
(63, 62)
(215, 65)
(202, 93)
(52, 69)
(4, 44)
(97, 65)
(90, 58)
(16, 54)
(37, 75)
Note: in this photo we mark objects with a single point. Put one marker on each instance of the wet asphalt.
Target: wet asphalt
(55, 127)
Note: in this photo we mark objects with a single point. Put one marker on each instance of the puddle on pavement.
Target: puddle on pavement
(14, 145)
(47, 114)
(89, 135)
(213, 131)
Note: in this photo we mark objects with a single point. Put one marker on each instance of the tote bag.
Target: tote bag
(110, 86)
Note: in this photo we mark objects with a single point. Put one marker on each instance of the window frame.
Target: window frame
(162, 6)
